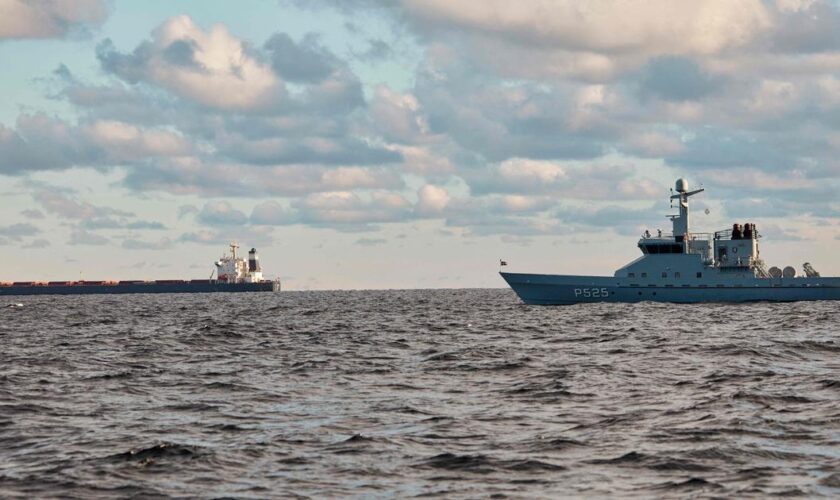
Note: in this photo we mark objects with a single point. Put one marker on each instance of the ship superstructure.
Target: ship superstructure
(234, 269)
(233, 274)
(684, 266)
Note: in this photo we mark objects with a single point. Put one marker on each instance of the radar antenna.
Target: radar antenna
(680, 221)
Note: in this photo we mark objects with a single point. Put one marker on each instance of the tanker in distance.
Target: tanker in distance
(684, 267)
(233, 274)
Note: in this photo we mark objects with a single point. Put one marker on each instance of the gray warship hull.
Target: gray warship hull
(552, 289)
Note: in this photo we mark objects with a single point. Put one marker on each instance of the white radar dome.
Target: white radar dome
(789, 272)
(682, 186)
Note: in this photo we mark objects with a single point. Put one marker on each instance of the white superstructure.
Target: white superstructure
(234, 269)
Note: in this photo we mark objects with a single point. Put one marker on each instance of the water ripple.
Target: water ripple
(464, 393)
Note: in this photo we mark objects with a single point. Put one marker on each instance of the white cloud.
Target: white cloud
(398, 116)
(522, 171)
(66, 206)
(772, 98)
(344, 207)
(272, 213)
(124, 141)
(432, 200)
(135, 244)
(593, 39)
(211, 67)
(83, 237)
(424, 161)
(653, 144)
(48, 18)
(794, 5)
(221, 213)
(653, 26)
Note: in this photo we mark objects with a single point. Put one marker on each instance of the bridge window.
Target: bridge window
(677, 274)
(664, 274)
(631, 275)
(644, 275)
(654, 248)
(699, 275)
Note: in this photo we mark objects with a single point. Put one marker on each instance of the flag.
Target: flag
(502, 263)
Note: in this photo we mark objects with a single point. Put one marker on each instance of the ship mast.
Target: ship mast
(681, 222)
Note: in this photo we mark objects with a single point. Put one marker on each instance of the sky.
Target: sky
(409, 143)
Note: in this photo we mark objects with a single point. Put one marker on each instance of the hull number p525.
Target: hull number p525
(592, 293)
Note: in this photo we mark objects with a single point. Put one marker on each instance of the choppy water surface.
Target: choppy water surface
(411, 393)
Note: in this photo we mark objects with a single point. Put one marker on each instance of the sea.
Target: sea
(416, 393)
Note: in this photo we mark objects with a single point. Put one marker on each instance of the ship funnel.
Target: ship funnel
(253, 261)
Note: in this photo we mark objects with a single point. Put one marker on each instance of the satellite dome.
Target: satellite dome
(682, 186)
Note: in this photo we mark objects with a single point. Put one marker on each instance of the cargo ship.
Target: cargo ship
(684, 267)
(233, 274)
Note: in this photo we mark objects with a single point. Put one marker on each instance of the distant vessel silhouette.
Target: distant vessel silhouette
(233, 274)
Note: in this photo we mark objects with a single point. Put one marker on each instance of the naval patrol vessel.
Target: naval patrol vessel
(684, 266)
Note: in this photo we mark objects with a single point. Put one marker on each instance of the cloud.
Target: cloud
(83, 237)
(223, 237)
(122, 141)
(37, 243)
(212, 68)
(67, 207)
(192, 176)
(278, 150)
(651, 27)
(805, 26)
(17, 231)
(539, 119)
(40, 142)
(307, 61)
(221, 213)
(377, 50)
(569, 180)
(145, 225)
(370, 242)
(185, 210)
(49, 18)
(134, 244)
(398, 116)
(432, 200)
(611, 216)
(30, 213)
(347, 208)
(119, 223)
(546, 39)
(272, 213)
(677, 79)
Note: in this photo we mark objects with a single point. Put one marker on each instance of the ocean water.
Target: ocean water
(459, 393)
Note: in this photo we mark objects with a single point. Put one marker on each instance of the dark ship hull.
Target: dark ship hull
(138, 287)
